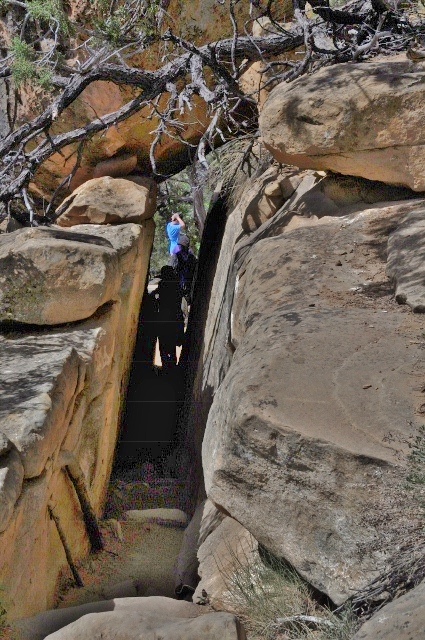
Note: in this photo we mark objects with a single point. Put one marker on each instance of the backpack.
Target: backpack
(185, 267)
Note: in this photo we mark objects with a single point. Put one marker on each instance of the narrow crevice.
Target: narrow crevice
(158, 438)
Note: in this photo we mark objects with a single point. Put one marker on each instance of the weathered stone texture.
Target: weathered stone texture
(406, 254)
(50, 277)
(268, 194)
(323, 368)
(402, 619)
(11, 479)
(230, 548)
(148, 618)
(123, 624)
(109, 200)
(363, 119)
(185, 570)
(211, 519)
(60, 395)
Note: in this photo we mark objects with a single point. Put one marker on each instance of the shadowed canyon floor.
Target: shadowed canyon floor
(138, 558)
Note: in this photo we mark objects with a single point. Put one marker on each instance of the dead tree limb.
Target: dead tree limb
(21, 166)
(211, 71)
(151, 83)
(77, 477)
(61, 534)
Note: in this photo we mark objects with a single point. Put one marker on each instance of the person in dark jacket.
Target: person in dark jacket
(184, 263)
(170, 317)
(148, 327)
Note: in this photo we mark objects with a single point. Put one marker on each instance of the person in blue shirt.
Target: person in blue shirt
(173, 229)
(184, 263)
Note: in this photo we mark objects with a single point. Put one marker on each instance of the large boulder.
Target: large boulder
(324, 367)
(124, 624)
(60, 399)
(230, 550)
(127, 618)
(359, 119)
(50, 277)
(406, 266)
(109, 200)
(402, 619)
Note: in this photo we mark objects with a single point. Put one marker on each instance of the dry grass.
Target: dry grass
(406, 566)
(274, 603)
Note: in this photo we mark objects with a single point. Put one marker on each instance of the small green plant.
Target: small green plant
(49, 11)
(415, 480)
(29, 65)
(109, 30)
(44, 78)
(127, 21)
(24, 65)
(274, 602)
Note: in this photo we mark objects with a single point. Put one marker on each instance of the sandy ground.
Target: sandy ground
(147, 553)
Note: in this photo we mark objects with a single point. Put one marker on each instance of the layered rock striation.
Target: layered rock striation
(61, 391)
(313, 368)
(360, 119)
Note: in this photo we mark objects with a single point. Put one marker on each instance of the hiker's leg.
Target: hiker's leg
(167, 350)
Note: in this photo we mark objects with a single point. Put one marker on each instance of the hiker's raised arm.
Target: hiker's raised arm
(176, 218)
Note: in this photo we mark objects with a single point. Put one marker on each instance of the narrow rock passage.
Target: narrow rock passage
(139, 556)
(151, 408)
(149, 419)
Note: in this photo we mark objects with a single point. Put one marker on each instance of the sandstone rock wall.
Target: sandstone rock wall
(401, 619)
(310, 364)
(128, 144)
(60, 400)
(357, 119)
(208, 343)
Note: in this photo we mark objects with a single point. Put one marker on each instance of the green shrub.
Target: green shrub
(125, 22)
(49, 11)
(416, 464)
(24, 65)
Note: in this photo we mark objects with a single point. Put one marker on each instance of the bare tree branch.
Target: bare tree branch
(355, 32)
(151, 84)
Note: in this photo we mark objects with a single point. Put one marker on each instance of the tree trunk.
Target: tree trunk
(196, 174)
